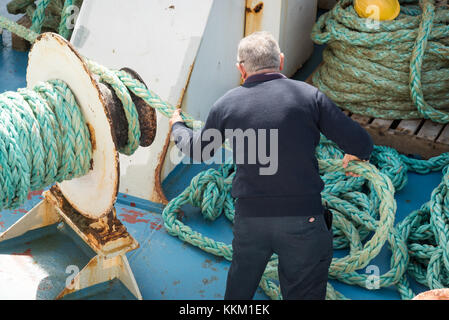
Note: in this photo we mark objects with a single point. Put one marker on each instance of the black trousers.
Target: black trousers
(304, 248)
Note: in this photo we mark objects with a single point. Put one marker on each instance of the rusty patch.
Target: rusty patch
(183, 91)
(66, 291)
(158, 192)
(98, 231)
(212, 279)
(27, 253)
(94, 83)
(93, 141)
(253, 17)
(118, 121)
(147, 114)
(258, 7)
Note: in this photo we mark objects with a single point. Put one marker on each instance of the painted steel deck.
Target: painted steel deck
(164, 267)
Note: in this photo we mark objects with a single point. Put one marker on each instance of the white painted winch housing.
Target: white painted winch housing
(185, 51)
(52, 57)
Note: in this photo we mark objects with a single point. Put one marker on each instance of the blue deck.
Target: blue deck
(164, 267)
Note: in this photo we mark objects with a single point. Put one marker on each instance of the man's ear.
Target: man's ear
(282, 59)
(242, 70)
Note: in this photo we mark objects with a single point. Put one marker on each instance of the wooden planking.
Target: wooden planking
(363, 120)
(444, 136)
(409, 127)
(430, 130)
(416, 136)
(421, 137)
(381, 124)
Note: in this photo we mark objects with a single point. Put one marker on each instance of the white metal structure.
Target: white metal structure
(185, 51)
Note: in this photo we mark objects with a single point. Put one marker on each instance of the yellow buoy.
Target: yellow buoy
(377, 9)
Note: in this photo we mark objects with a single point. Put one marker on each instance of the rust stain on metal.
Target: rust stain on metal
(212, 279)
(93, 141)
(258, 7)
(66, 291)
(98, 231)
(147, 114)
(64, 42)
(158, 192)
(183, 91)
(254, 16)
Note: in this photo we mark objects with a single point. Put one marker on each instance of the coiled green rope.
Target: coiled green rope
(392, 69)
(43, 139)
(364, 211)
(43, 136)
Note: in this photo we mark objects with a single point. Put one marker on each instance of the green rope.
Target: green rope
(364, 210)
(43, 136)
(63, 30)
(43, 139)
(39, 16)
(385, 71)
(51, 14)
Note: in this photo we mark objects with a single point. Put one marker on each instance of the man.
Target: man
(279, 212)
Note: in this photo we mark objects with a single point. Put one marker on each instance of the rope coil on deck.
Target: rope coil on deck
(363, 220)
(395, 69)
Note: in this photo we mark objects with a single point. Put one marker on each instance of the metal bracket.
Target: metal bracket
(107, 237)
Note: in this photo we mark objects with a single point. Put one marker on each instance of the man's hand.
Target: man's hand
(346, 159)
(176, 117)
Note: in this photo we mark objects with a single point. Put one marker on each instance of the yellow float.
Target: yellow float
(377, 9)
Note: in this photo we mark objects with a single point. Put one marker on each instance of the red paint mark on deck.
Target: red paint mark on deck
(34, 193)
(27, 252)
(155, 225)
(2, 225)
(131, 216)
(19, 211)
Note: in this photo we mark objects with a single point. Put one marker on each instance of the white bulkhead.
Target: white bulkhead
(185, 51)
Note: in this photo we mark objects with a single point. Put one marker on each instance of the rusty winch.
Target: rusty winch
(86, 204)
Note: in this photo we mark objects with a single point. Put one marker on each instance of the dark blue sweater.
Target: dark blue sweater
(300, 113)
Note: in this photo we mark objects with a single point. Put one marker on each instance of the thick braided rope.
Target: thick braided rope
(385, 70)
(119, 80)
(358, 214)
(65, 14)
(39, 15)
(131, 114)
(210, 191)
(153, 99)
(345, 198)
(43, 139)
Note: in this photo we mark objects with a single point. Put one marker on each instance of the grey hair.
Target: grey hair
(259, 51)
